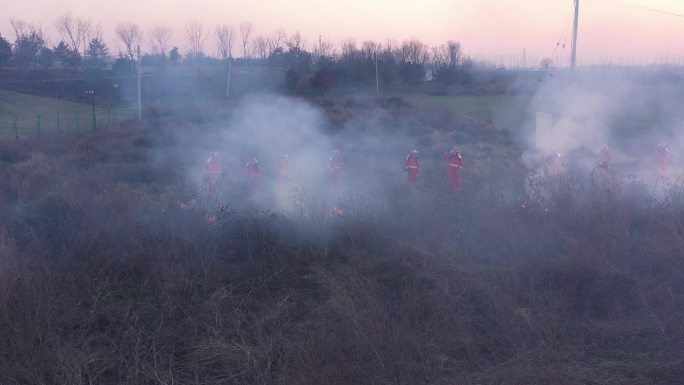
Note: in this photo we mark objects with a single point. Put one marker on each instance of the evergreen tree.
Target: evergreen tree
(97, 54)
(5, 51)
(27, 48)
(46, 57)
(67, 56)
(174, 56)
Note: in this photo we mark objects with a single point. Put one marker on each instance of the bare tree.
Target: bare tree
(261, 46)
(22, 28)
(276, 39)
(88, 31)
(77, 32)
(19, 27)
(245, 33)
(66, 26)
(413, 51)
(389, 49)
(29, 42)
(369, 49)
(224, 38)
(348, 47)
(323, 48)
(196, 37)
(160, 36)
(131, 36)
(447, 55)
(295, 42)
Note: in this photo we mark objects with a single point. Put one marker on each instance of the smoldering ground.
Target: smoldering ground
(269, 126)
(629, 110)
(105, 279)
(374, 147)
(266, 128)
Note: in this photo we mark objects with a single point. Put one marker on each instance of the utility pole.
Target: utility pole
(573, 57)
(230, 59)
(377, 80)
(92, 97)
(139, 89)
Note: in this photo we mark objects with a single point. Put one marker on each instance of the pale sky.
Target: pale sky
(608, 28)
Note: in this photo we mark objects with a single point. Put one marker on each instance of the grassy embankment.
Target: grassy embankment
(37, 113)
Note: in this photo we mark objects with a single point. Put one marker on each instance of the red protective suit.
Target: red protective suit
(454, 166)
(212, 174)
(253, 172)
(412, 167)
(604, 158)
(663, 159)
(336, 164)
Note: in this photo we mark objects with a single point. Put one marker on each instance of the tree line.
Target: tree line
(321, 64)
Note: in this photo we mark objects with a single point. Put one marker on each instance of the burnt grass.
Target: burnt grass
(104, 279)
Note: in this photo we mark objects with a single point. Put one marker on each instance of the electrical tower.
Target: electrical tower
(573, 56)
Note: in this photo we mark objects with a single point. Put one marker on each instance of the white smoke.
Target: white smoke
(268, 126)
(629, 110)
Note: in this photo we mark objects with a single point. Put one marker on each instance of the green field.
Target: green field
(505, 111)
(15, 104)
(22, 114)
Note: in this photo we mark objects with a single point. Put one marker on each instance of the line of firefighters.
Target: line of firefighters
(454, 161)
(213, 170)
(604, 159)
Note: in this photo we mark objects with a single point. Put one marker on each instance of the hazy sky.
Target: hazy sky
(484, 27)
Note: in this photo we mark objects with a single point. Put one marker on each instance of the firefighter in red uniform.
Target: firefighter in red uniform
(253, 171)
(212, 174)
(663, 159)
(454, 166)
(282, 169)
(552, 164)
(604, 158)
(412, 167)
(336, 164)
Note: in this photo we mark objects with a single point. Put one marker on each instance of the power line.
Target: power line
(657, 12)
(563, 36)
